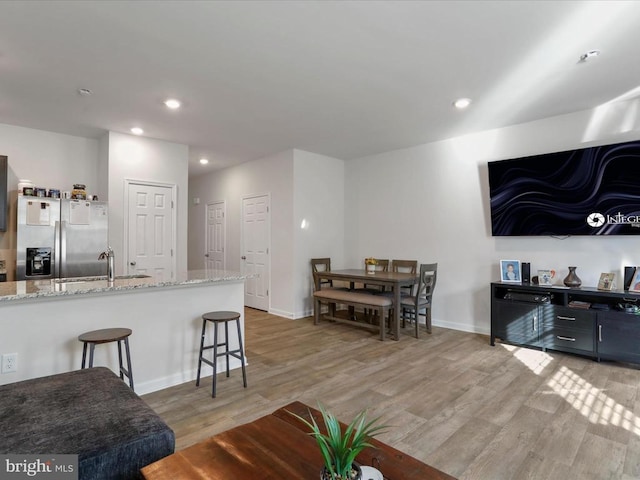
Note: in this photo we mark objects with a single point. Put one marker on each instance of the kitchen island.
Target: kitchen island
(40, 320)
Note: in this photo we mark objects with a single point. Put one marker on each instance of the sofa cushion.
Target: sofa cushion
(89, 412)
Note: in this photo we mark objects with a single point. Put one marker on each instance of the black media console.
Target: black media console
(585, 321)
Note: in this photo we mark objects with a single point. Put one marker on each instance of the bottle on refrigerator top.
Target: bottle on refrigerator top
(79, 192)
(22, 184)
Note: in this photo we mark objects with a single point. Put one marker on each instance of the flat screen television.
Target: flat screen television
(590, 191)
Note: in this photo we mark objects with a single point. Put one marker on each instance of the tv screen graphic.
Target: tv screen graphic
(590, 191)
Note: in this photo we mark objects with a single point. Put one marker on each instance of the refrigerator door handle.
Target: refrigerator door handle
(63, 249)
(55, 270)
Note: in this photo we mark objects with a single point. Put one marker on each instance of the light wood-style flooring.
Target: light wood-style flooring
(469, 409)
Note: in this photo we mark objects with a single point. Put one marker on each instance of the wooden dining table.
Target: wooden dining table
(392, 281)
(278, 446)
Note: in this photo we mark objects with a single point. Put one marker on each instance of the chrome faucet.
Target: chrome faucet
(111, 260)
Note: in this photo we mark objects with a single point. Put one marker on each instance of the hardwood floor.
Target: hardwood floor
(469, 409)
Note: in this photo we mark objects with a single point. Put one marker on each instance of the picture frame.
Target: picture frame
(545, 277)
(510, 271)
(635, 283)
(607, 281)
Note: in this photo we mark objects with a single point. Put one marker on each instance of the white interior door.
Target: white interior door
(150, 244)
(216, 236)
(255, 250)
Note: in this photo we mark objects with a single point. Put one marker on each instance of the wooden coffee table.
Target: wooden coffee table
(277, 446)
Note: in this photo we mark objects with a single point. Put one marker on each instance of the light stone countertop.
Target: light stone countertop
(30, 289)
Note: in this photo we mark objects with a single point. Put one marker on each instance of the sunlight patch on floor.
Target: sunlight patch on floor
(592, 402)
(534, 360)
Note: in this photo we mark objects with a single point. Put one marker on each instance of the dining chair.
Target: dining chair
(408, 266)
(322, 265)
(412, 306)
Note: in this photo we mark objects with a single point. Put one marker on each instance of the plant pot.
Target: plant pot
(371, 269)
(356, 473)
(371, 473)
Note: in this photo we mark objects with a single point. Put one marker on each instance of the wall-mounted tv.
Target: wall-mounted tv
(590, 191)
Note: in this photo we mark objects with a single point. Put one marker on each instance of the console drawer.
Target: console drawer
(568, 339)
(573, 318)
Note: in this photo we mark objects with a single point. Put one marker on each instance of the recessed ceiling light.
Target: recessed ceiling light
(590, 54)
(204, 161)
(172, 103)
(462, 103)
(137, 131)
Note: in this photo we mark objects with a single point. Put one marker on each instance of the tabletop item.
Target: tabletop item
(572, 279)
(370, 264)
(339, 446)
(277, 446)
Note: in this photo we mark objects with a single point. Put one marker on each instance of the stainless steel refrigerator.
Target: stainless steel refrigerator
(59, 238)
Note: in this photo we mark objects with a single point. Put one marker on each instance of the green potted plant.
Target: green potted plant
(339, 449)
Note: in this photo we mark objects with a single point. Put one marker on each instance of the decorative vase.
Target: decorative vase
(356, 472)
(572, 280)
(371, 269)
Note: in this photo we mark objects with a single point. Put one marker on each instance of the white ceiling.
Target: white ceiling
(344, 79)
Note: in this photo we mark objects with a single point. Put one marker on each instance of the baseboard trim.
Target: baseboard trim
(281, 313)
(462, 327)
(184, 377)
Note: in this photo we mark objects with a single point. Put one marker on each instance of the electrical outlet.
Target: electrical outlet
(9, 362)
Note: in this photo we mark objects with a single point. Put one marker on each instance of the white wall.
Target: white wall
(270, 175)
(145, 159)
(319, 203)
(102, 189)
(49, 160)
(431, 203)
(303, 186)
(166, 324)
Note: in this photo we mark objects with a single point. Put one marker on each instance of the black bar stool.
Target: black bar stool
(217, 318)
(108, 335)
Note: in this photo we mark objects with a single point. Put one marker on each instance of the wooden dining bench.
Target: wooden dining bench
(377, 303)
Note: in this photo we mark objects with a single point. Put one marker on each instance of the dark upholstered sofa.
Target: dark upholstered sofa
(91, 413)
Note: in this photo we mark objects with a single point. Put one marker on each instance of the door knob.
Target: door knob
(206, 255)
(133, 264)
(243, 257)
